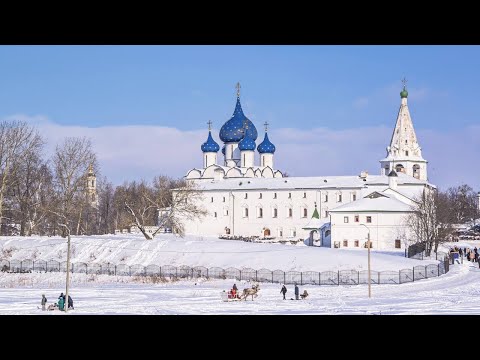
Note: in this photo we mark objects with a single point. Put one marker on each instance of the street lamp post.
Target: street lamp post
(369, 272)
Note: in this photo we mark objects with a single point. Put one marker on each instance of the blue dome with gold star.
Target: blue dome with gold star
(210, 145)
(233, 129)
(247, 143)
(266, 147)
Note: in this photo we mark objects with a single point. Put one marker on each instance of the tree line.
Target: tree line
(50, 195)
(435, 212)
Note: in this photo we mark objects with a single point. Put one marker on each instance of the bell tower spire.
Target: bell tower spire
(404, 154)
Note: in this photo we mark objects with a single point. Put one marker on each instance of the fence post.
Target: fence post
(284, 278)
(86, 269)
(21, 266)
(438, 269)
(378, 277)
(358, 277)
(319, 279)
(192, 273)
(115, 270)
(272, 277)
(301, 278)
(240, 275)
(73, 267)
(256, 275)
(176, 272)
(413, 274)
(338, 277)
(207, 273)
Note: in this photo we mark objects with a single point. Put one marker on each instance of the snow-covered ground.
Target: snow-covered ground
(194, 251)
(457, 292)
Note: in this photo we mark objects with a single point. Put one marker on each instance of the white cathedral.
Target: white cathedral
(245, 199)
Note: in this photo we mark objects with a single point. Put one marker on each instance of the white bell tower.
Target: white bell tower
(404, 154)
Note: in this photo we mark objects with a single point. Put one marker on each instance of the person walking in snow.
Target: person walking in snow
(61, 303)
(44, 302)
(297, 292)
(283, 291)
(70, 302)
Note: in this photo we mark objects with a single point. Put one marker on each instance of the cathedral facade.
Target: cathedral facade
(247, 199)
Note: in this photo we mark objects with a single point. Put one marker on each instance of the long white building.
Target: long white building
(245, 199)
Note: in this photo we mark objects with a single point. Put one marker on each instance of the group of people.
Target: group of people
(60, 305)
(283, 291)
(469, 254)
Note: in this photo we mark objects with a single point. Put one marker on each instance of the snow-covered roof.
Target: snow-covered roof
(314, 223)
(311, 182)
(375, 202)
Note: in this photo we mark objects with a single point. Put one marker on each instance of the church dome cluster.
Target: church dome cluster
(239, 134)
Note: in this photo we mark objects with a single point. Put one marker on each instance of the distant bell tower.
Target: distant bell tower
(404, 154)
(92, 196)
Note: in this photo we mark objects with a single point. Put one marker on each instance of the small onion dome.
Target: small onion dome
(404, 93)
(232, 130)
(266, 147)
(247, 143)
(223, 149)
(210, 145)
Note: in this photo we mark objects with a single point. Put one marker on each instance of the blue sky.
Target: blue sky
(337, 88)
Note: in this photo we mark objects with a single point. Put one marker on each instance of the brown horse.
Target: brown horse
(250, 291)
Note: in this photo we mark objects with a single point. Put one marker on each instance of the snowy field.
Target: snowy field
(457, 292)
(194, 251)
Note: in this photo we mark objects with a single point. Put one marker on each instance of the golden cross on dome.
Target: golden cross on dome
(266, 126)
(209, 125)
(238, 89)
(404, 81)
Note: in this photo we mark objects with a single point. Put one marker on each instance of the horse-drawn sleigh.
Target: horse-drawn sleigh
(232, 295)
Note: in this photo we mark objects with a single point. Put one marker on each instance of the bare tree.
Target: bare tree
(17, 139)
(431, 220)
(176, 200)
(71, 161)
(32, 175)
(463, 204)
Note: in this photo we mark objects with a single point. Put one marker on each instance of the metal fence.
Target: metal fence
(342, 277)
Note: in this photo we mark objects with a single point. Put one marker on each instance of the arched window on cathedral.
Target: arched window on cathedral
(399, 168)
(274, 212)
(416, 171)
(259, 212)
(305, 212)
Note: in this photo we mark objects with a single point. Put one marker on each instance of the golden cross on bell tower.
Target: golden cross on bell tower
(404, 82)
(266, 126)
(238, 89)
(209, 123)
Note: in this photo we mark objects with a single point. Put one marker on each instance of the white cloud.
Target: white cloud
(135, 152)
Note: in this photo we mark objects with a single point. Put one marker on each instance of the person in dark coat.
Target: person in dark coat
(235, 287)
(283, 291)
(70, 302)
(44, 302)
(297, 292)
